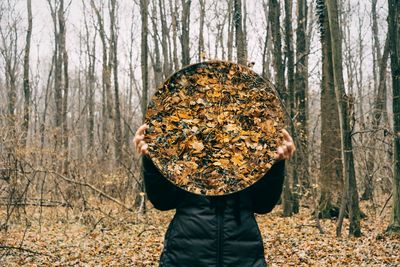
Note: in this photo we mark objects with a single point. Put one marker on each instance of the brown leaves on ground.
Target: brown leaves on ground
(119, 239)
(221, 117)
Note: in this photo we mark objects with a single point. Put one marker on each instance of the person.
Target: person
(214, 231)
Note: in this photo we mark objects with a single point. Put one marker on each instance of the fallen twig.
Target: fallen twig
(93, 188)
(26, 250)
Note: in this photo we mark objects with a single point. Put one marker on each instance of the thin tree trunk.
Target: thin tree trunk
(27, 89)
(174, 24)
(343, 107)
(114, 50)
(394, 33)
(378, 110)
(301, 88)
(165, 39)
(145, 86)
(157, 67)
(266, 49)
(201, 51)
(274, 20)
(185, 32)
(230, 29)
(57, 79)
(239, 36)
(65, 83)
(107, 114)
(279, 68)
(290, 87)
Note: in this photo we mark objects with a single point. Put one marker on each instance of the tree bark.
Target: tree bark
(279, 68)
(114, 50)
(301, 88)
(27, 89)
(65, 85)
(174, 24)
(201, 50)
(107, 113)
(331, 177)
(394, 35)
(230, 30)
(165, 39)
(378, 110)
(290, 87)
(239, 36)
(145, 86)
(350, 192)
(185, 32)
(157, 67)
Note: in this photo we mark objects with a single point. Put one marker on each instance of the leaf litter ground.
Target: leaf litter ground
(121, 239)
(214, 127)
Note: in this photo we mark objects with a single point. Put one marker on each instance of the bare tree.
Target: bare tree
(164, 39)
(350, 195)
(107, 108)
(331, 176)
(394, 37)
(156, 61)
(174, 24)
(293, 186)
(239, 35)
(301, 87)
(201, 30)
(11, 54)
(114, 62)
(185, 22)
(27, 89)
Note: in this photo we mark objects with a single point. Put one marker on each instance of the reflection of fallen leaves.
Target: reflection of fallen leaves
(197, 146)
(209, 107)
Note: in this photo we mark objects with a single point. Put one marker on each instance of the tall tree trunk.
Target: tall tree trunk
(279, 68)
(331, 177)
(290, 87)
(65, 84)
(239, 36)
(185, 32)
(165, 39)
(157, 67)
(90, 84)
(57, 79)
(107, 113)
(394, 37)
(350, 195)
(279, 77)
(231, 25)
(174, 24)
(301, 88)
(201, 51)
(267, 44)
(376, 48)
(145, 86)
(378, 110)
(27, 89)
(114, 50)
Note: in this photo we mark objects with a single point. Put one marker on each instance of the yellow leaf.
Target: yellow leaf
(237, 159)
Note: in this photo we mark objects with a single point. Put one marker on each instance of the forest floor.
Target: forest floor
(111, 237)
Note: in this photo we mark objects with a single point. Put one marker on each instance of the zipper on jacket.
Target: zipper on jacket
(220, 214)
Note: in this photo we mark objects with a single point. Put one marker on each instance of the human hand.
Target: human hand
(140, 145)
(287, 149)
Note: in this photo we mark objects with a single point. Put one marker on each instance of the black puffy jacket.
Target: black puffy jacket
(213, 231)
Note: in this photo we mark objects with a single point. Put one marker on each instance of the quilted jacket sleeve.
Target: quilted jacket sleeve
(266, 192)
(161, 192)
